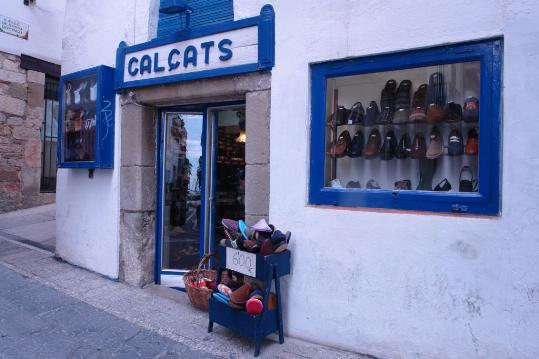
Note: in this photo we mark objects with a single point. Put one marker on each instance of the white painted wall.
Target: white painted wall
(403, 285)
(45, 20)
(87, 210)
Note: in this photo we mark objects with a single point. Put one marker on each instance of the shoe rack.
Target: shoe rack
(268, 269)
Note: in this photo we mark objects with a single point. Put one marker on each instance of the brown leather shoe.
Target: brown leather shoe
(419, 147)
(372, 148)
(340, 148)
(241, 295)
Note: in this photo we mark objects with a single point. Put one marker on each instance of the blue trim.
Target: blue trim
(486, 201)
(159, 200)
(203, 141)
(266, 50)
(105, 113)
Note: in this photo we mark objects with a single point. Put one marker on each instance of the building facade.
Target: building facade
(30, 48)
(389, 270)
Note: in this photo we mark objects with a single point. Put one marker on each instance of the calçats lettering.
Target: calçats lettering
(190, 55)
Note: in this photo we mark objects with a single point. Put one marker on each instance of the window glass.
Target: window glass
(80, 119)
(411, 129)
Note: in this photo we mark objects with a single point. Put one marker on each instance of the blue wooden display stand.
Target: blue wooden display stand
(268, 268)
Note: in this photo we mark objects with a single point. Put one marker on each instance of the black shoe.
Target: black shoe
(402, 102)
(467, 185)
(372, 114)
(357, 113)
(403, 185)
(387, 102)
(356, 146)
(387, 152)
(353, 184)
(455, 143)
(443, 186)
(404, 147)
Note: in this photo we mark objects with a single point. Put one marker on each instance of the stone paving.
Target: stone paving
(49, 308)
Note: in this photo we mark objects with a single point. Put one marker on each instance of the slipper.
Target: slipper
(278, 237)
(230, 224)
(254, 306)
(219, 298)
(241, 295)
(283, 247)
(266, 248)
(261, 226)
(243, 228)
(251, 246)
(224, 289)
(231, 304)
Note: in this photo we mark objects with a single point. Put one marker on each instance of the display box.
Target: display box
(86, 123)
(416, 130)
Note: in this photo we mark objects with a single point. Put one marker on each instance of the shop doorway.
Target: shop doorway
(201, 180)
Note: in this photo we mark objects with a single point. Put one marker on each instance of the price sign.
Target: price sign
(240, 261)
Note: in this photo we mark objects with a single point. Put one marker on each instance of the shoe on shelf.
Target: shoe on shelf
(403, 185)
(387, 102)
(387, 152)
(419, 147)
(467, 182)
(471, 109)
(357, 114)
(356, 146)
(372, 184)
(404, 147)
(455, 144)
(402, 102)
(372, 148)
(443, 186)
(436, 145)
(372, 114)
(472, 144)
(353, 184)
(419, 105)
(453, 112)
(436, 98)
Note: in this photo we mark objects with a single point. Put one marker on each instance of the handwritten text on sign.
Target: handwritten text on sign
(229, 48)
(240, 261)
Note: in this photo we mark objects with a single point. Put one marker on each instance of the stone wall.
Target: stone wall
(21, 116)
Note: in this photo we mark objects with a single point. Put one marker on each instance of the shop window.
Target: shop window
(418, 130)
(49, 136)
(204, 12)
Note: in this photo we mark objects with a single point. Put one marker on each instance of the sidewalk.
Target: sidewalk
(34, 226)
(160, 310)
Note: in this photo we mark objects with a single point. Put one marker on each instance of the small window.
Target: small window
(49, 136)
(417, 130)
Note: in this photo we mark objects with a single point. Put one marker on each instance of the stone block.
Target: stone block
(36, 94)
(11, 76)
(16, 90)
(12, 105)
(30, 178)
(138, 135)
(257, 189)
(14, 121)
(3, 117)
(3, 88)
(5, 130)
(11, 65)
(35, 112)
(257, 127)
(137, 248)
(9, 175)
(137, 188)
(35, 77)
(252, 82)
(23, 133)
(32, 153)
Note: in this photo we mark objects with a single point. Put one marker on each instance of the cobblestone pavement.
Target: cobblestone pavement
(39, 322)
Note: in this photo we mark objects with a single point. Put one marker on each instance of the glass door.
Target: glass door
(181, 195)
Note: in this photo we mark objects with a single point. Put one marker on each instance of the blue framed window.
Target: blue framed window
(204, 12)
(415, 130)
(86, 126)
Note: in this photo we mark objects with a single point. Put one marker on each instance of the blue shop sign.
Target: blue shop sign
(242, 46)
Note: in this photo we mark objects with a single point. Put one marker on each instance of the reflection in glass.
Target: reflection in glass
(80, 119)
(182, 190)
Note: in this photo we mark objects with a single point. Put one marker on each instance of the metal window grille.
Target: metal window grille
(49, 136)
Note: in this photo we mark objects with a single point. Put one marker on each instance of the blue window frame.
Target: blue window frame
(86, 123)
(335, 83)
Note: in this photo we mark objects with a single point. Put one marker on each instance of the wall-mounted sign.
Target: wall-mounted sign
(14, 27)
(229, 48)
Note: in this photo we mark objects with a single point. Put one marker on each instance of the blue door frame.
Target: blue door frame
(160, 158)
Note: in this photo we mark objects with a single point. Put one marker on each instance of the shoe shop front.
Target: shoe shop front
(396, 142)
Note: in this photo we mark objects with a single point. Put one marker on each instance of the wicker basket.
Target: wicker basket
(199, 296)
